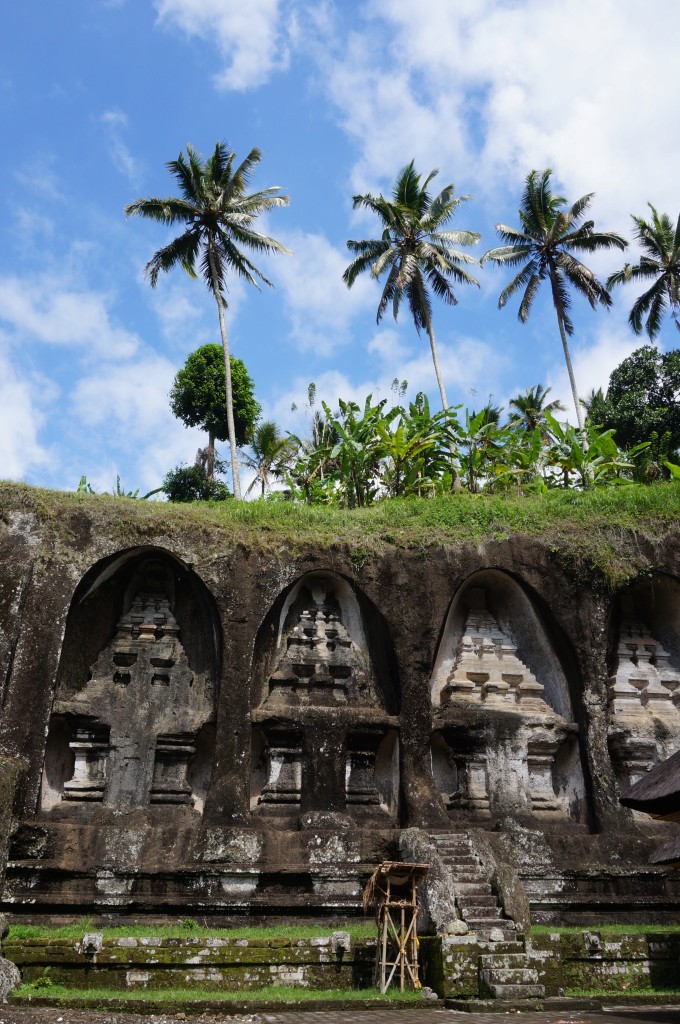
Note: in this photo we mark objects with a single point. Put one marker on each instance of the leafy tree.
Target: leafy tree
(218, 215)
(271, 456)
(189, 483)
(660, 263)
(644, 396)
(531, 406)
(415, 251)
(543, 248)
(195, 398)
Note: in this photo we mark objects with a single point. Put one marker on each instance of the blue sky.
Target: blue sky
(95, 97)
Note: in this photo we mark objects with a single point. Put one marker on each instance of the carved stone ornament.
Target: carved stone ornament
(320, 664)
(487, 670)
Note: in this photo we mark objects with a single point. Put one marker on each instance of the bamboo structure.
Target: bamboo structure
(393, 887)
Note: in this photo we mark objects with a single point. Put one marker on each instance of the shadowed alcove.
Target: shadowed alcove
(132, 723)
(325, 699)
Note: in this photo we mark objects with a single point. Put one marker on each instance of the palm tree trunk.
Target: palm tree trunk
(445, 403)
(211, 456)
(570, 371)
(236, 483)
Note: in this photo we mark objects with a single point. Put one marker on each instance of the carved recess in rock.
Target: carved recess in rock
(319, 661)
(644, 684)
(135, 732)
(505, 743)
(325, 695)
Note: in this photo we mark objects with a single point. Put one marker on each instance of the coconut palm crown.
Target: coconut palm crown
(543, 249)
(218, 214)
(660, 263)
(414, 251)
(531, 406)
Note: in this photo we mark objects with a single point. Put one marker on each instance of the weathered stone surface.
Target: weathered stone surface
(436, 895)
(10, 977)
(211, 797)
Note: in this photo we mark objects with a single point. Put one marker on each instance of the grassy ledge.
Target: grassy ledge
(271, 994)
(185, 930)
(599, 526)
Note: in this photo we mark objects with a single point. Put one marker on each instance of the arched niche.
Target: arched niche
(504, 740)
(324, 644)
(494, 616)
(325, 695)
(644, 675)
(132, 723)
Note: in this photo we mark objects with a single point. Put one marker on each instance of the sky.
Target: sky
(97, 95)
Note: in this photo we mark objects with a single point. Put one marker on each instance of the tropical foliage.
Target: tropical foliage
(379, 451)
(660, 263)
(218, 214)
(543, 248)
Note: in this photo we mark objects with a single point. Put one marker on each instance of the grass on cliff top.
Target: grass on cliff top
(402, 522)
(271, 994)
(186, 930)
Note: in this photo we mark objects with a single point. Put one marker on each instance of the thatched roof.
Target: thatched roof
(658, 791)
(399, 872)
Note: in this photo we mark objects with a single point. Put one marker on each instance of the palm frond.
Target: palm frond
(521, 280)
(182, 251)
(167, 211)
(509, 255)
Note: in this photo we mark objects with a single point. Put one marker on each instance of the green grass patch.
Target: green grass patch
(607, 929)
(277, 993)
(596, 528)
(185, 930)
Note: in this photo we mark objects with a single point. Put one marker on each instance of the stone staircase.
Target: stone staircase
(479, 906)
(505, 973)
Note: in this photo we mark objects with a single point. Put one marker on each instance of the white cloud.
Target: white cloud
(491, 88)
(471, 368)
(115, 121)
(318, 301)
(131, 401)
(251, 37)
(22, 413)
(47, 310)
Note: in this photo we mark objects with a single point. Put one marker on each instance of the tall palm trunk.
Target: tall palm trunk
(445, 403)
(570, 371)
(236, 483)
(211, 455)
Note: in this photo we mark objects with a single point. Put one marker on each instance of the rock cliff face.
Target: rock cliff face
(190, 722)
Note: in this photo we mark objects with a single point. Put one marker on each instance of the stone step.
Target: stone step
(478, 900)
(517, 991)
(467, 872)
(481, 913)
(510, 976)
(503, 961)
(465, 889)
(459, 857)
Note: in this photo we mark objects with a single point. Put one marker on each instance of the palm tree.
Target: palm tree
(543, 247)
(414, 251)
(271, 454)
(217, 213)
(661, 263)
(531, 406)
